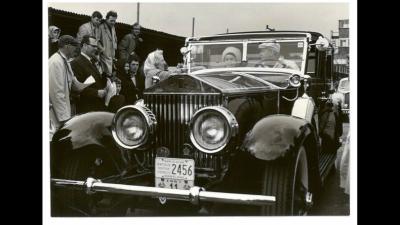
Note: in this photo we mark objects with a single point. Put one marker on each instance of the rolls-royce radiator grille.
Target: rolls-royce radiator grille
(173, 113)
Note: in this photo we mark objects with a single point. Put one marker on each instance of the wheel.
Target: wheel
(286, 178)
(288, 181)
(77, 202)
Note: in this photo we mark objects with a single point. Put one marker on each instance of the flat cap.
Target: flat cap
(67, 40)
(273, 45)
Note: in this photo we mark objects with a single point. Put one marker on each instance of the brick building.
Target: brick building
(341, 43)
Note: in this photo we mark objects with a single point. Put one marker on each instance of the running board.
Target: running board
(326, 161)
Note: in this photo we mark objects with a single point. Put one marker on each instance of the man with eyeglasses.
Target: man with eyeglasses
(62, 82)
(86, 71)
(129, 43)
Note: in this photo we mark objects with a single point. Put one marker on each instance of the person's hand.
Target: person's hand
(118, 84)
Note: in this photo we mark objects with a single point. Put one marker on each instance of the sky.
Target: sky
(216, 18)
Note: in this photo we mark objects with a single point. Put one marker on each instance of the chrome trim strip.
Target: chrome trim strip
(259, 80)
(195, 195)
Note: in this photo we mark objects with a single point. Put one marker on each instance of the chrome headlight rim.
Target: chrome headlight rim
(145, 114)
(229, 118)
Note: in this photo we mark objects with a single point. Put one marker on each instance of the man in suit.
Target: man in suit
(90, 28)
(62, 82)
(83, 66)
(108, 39)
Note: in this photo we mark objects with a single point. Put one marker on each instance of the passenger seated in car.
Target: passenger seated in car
(271, 58)
(231, 56)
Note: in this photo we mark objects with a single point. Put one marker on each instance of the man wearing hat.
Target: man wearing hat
(270, 57)
(62, 81)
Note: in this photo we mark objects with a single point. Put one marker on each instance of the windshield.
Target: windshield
(288, 54)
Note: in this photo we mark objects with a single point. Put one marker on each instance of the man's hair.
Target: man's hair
(86, 39)
(97, 14)
(133, 57)
(111, 13)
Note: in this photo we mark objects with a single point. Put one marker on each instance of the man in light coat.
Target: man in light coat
(90, 28)
(108, 39)
(62, 81)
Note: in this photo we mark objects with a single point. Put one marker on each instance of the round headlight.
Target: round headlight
(133, 126)
(212, 128)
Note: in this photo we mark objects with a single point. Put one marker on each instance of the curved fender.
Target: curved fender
(88, 133)
(92, 128)
(273, 136)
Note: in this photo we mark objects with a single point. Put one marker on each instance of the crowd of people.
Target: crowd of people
(92, 71)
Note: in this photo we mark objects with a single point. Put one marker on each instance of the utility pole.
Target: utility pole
(138, 10)
(193, 27)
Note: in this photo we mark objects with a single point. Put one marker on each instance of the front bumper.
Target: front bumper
(195, 195)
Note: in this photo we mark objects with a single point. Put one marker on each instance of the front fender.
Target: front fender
(274, 136)
(86, 134)
(93, 128)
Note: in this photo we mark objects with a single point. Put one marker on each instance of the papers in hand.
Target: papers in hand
(89, 80)
(111, 91)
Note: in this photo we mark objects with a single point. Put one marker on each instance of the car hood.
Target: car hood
(225, 81)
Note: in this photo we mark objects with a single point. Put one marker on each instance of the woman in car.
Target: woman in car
(231, 56)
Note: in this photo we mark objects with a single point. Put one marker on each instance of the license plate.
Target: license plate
(174, 173)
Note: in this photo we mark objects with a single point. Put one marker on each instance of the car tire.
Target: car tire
(288, 181)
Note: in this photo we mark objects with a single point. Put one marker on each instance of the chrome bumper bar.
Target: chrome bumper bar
(195, 195)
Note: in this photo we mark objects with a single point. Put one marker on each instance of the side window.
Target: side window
(321, 59)
(311, 64)
(329, 69)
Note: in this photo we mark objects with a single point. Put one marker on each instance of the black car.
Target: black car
(256, 136)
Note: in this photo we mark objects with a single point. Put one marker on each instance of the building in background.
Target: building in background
(341, 43)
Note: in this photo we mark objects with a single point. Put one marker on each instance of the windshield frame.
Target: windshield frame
(245, 43)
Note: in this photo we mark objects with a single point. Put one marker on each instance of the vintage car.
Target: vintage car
(344, 90)
(218, 139)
